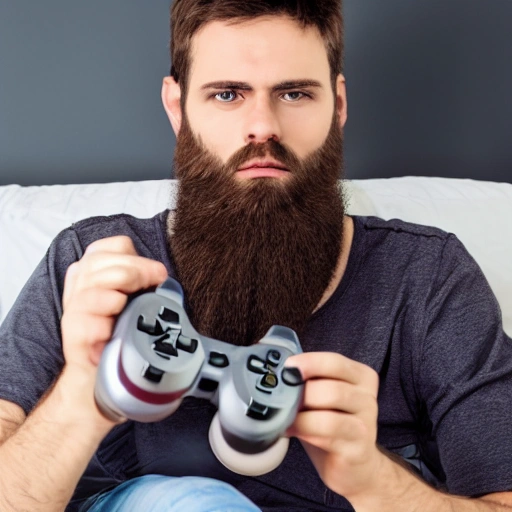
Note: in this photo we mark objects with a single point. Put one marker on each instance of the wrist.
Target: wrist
(379, 493)
(74, 393)
(394, 488)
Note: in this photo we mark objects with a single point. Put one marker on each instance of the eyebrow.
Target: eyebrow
(244, 86)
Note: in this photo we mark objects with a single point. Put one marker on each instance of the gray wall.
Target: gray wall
(80, 91)
(429, 86)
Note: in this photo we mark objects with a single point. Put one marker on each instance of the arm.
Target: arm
(399, 490)
(47, 452)
(338, 429)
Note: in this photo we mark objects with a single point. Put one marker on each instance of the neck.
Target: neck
(341, 266)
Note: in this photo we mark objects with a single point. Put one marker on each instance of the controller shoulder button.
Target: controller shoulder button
(292, 377)
(218, 359)
(257, 365)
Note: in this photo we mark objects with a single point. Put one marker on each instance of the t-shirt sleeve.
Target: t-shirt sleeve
(30, 341)
(465, 378)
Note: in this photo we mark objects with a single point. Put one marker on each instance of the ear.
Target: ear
(341, 100)
(171, 96)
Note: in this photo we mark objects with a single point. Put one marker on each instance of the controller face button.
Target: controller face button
(292, 377)
(257, 365)
(153, 374)
(218, 359)
(208, 385)
(273, 357)
(163, 348)
(269, 380)
(187, 344)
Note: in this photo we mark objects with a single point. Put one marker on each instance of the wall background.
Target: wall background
(429, 87)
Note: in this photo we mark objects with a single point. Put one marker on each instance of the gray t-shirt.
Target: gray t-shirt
(412, 304)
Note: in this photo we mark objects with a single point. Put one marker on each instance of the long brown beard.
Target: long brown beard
(260, 252)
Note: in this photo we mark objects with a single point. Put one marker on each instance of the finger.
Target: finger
(329, 394)
(94, 301)
(331, 365)
(127, 274)
(117, 244)
(85, 337)
(81, 330)
(69, 282)
(98, 261)
(326, 426)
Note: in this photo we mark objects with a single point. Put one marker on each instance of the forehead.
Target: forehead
(266, 49)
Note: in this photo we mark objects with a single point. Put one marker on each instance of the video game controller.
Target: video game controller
(156, 358)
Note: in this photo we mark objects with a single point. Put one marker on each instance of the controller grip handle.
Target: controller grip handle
(242, 463)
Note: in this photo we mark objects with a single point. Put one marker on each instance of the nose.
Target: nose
(262, 123)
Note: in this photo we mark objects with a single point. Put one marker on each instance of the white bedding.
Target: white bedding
(479, 213)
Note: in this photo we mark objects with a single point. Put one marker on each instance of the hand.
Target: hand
(337, 425)
(96, 290)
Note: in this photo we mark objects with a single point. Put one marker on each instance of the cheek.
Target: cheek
(305, 135)
(220, 137)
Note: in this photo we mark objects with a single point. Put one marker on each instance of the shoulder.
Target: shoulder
(102, 226)
(148, 234)
(384, 227)
(394, 242)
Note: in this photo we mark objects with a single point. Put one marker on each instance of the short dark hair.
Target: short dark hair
(188, 16)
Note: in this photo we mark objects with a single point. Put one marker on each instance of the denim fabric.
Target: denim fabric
(156, 493)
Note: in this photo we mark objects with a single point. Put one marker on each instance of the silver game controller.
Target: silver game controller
(156, 358)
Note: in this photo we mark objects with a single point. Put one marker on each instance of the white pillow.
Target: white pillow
(479, 213)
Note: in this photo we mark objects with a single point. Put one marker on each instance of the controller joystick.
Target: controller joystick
(156, 358)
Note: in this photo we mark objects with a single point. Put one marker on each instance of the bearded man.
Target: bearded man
(408, 373)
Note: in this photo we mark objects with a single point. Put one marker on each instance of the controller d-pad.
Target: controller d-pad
(152, 328)
(168, 315)
(257, 365)
(187, 344)
(163, 348)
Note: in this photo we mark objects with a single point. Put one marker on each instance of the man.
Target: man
(404, 348)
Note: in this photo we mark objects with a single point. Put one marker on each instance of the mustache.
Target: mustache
(272, 148)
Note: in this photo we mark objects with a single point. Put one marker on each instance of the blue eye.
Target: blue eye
(293, 96)
(226, 96)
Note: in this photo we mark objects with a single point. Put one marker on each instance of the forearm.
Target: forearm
(43, 460)
(399, 490)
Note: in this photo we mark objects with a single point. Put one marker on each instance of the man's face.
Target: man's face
(249, 82)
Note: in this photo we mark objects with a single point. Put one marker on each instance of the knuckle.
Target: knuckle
(79, 329)
(372, 379)
(122, 274)
(124, 243)
(73, 268)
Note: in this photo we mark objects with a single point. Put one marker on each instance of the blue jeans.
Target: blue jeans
(156, 493)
